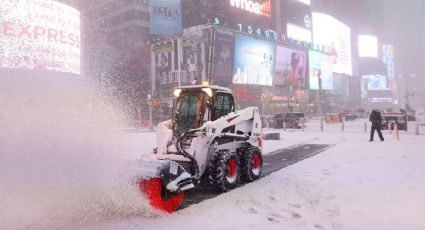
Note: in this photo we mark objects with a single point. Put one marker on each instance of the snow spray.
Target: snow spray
(61, 158)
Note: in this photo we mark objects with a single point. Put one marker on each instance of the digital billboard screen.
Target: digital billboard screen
(298, 33)
(39, 35)
(247, 16)
(368, 46)
(376, 82)
(253, 61)
(296, 19)
(320, 64)
(336, 37)
(165, 17)
(223, 61)
(291, 67)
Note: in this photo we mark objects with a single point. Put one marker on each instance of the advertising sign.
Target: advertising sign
(376, 82)
(332, 118)
(192, 61)
(39, 35)
(336, 37)
(165, 17)
(163, 62)
(296, 19)
(248, 16)
(254, 61)
(388, 58)
(291, 67)
(262, 8)
(223, 61)
(307, 2)
(377, 89)
(368, 46)
(298, 33)
(297, 13)
(320, 65)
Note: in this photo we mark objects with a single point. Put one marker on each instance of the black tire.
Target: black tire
(224, 171)
(251, 164)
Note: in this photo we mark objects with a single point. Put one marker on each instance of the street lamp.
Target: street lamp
(407, 105)
(319, 75)
(406, 77)
(149, 97)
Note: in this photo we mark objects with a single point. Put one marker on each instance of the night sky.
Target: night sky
(405, 28)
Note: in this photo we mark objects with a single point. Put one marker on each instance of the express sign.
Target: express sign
(39, 34)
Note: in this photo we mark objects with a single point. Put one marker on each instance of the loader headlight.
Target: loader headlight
(177, 92)
(208, 91)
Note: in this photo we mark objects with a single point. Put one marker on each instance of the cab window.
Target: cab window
(223, 105)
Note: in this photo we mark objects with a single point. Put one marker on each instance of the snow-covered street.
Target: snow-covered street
(353, 185)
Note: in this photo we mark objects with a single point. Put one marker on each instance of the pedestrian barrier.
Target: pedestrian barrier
(356, 126)
(417, 129)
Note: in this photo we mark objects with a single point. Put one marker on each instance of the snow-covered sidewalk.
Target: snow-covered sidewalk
(353, 185)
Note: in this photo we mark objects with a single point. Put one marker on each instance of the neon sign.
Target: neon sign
(270, 34)
(263, 9)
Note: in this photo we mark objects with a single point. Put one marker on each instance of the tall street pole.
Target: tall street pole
(319, 75)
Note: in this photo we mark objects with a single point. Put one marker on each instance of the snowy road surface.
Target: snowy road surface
(353, 185)
(272, 162)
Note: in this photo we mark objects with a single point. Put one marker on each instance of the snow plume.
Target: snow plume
(61, 157)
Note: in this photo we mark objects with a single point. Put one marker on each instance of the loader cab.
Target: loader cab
(196, 105)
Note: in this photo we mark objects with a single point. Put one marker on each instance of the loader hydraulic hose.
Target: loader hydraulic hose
(181, 150)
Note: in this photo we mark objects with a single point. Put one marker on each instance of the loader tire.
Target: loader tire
(224, 171)
(251, 164)
(159, 197)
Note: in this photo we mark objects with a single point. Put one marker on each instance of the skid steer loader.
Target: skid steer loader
(206, 140)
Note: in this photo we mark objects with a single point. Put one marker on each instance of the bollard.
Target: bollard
(303, 124)
(342, 126)
(397, 136)
(389, 127)
(417, 128)
(321, 125)
(365, 127)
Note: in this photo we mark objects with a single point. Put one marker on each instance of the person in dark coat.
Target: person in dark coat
(376, 119)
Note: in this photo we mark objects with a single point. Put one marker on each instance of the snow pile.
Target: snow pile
(60, 162)
(353, 185)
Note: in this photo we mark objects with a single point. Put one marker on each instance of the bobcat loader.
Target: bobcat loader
(206, 140)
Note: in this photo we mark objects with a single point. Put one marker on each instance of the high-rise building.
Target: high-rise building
(124, 23)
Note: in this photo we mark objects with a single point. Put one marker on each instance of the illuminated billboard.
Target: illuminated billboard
(320, 65)
(248, 16)
(377, 89)
(223, 60)
(39, 35)
(291, 66)
(336, 37)
(298, 33)
(165, 17)
(253, 61)
(376, 82)
(307, 2)
(368, 46)
(296, 19)
(262, 8)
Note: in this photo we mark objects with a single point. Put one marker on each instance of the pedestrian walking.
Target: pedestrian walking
(376, 119)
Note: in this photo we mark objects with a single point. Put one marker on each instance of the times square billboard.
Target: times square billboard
(296, 19)
(336, 37)
(254, 61)
(256, 17)
(320, 65)
(39, 35)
